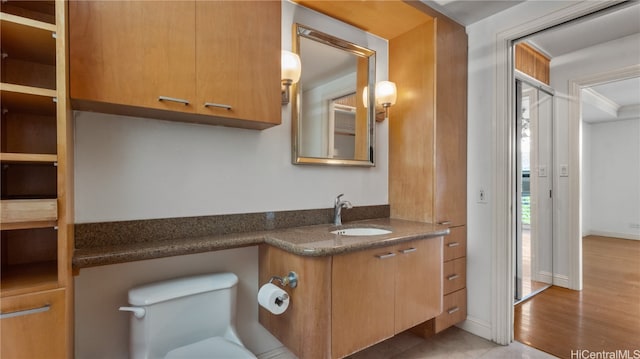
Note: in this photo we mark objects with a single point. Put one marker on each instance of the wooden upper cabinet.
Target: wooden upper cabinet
(428, 124)
(168, 59)
(238, 59)
(532, 62)
(106, 41)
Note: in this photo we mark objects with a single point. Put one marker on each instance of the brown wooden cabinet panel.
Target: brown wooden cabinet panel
(418, 291)
(106, 49)
(178, 60)
(455, 244)
(427, 131)
(34, 327)
(305, 327)
(454, 275)
(169, 43)
(239, 67)
(362, 299)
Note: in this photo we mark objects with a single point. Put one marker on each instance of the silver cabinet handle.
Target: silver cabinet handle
(453, 276)
(383, 256)
(445, 222)
(453, 310)
(173, 99)
(453, 244)
(408, 250)
(220, 105)
(20, 313)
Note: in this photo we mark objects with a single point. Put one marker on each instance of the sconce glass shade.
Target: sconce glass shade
(365, 96)
(386, 93)
(291, 66)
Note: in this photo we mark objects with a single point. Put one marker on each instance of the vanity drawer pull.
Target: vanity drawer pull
(444, 222)
(173, 99)
(20, 313)
(408, 250)
(219, 105)
(453, 276)
(453, 310)
(453, 244)
(383, 256)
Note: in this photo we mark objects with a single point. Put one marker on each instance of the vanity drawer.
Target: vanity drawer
(32, 325)
(454, 275)
(454, 310)
(455, 244)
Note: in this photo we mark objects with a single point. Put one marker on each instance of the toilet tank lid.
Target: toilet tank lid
(180, 287)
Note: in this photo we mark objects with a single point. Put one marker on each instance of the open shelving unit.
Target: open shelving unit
(36, 235)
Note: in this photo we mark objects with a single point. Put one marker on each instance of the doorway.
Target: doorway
(533, 247)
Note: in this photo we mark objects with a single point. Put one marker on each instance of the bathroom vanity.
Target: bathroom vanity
(354, 291)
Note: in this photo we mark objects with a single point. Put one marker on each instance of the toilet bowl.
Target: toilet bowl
(192, 317)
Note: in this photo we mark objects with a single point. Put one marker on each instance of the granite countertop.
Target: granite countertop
(313, 240)
(319, 241)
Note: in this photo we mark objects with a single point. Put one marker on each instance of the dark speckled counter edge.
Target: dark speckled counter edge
(304, 233)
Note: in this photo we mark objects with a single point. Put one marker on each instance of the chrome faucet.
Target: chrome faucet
(337, 209)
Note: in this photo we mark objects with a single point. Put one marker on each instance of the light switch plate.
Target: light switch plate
(542, 171)
(564, 170)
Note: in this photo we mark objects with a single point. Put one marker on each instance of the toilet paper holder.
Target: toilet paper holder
(290, 279)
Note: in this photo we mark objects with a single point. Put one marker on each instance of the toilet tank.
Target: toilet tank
(182, 311)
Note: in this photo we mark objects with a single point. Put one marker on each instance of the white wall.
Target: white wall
(578, 65)
(482, 92)
(614, 175)
(131, 168)
(480, 162)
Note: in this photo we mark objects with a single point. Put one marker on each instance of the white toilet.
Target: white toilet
(191, 317)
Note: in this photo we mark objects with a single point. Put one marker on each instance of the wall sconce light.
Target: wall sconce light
(291, 70)
(386, 95)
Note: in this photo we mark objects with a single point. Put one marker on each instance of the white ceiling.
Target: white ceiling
(467, 12)
(605, 102)
(618, 100)
(592, 31)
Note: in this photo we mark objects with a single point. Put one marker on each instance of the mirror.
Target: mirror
(333, 103)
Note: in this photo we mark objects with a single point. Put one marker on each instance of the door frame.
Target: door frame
(503, 228)
(575, 161)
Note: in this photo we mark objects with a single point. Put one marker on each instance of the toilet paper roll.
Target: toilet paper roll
(273, 298)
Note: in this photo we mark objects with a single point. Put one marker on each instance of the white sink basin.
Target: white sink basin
(361, 231)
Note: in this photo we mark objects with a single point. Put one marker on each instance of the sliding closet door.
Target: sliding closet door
(533, 248)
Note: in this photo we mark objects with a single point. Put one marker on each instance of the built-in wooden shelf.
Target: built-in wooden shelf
(29, 277)
(24, 38)
(28, 157)
(40, 10)
(26, 213)
(27, 99)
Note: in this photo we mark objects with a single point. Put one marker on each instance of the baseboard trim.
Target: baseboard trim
(559, 280)
(476, 326)
(635, 237)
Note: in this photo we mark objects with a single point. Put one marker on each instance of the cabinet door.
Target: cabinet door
(418, 282)
(238, 59)
(169, 55)
(105, 51)
(33, 326)
(362, 300)
(133, 52)
(451, 127)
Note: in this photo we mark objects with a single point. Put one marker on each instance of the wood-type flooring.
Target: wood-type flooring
(603, 317)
